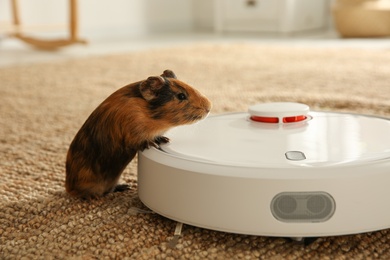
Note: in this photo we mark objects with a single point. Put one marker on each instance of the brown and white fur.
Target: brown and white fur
(133, 118)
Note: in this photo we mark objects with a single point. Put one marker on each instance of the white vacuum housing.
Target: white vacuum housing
(278, 170)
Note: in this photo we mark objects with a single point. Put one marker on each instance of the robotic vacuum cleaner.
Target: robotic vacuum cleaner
(277, 170)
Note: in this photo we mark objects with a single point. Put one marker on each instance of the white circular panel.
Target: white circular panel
(278, 109)
(324, 139)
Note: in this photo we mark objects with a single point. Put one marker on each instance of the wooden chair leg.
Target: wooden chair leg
(73, 21)
(49, 44)
(15, 14)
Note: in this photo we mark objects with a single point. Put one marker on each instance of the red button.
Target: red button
(275, 120)
(263, 119)
(293, 119)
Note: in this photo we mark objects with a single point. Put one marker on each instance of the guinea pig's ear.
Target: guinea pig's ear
(168, 74)
(150, 87)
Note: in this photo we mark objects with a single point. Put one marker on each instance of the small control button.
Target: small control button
(295, 155)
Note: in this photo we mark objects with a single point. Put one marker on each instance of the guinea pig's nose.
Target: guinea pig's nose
(208, 106)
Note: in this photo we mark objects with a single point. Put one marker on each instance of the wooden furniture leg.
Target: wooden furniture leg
(49, 44)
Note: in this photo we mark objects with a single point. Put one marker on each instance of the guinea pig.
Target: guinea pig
(133, 118)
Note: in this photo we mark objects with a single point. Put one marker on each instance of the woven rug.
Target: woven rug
(43, 105)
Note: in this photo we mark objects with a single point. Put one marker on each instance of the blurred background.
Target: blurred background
(32, 30)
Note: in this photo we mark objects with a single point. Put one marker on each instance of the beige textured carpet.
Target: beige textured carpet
(43, 105)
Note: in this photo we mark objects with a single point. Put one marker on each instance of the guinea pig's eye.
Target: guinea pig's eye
(181, 96)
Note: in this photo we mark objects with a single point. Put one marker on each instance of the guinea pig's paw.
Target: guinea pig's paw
(148, 144)
(161, 140)
(121, 187)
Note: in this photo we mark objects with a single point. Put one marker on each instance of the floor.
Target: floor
(14, 52)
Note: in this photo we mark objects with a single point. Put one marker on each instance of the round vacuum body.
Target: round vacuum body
(278, 170)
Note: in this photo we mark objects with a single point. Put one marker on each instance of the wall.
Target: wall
(203, 14)
(107, 18)
(101, 19)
